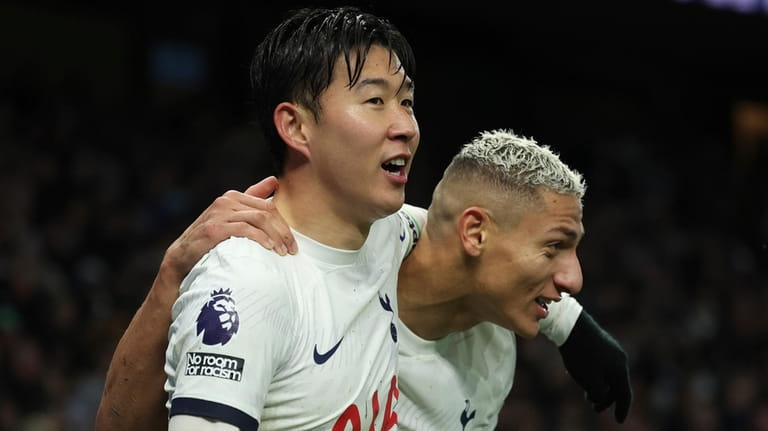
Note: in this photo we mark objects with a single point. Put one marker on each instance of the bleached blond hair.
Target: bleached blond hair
(517, 162)
(501, 169)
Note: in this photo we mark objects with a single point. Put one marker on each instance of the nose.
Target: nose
(568, 278)
(404, 127)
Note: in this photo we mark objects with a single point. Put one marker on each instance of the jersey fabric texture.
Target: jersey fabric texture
(460, 382)
(302, 342)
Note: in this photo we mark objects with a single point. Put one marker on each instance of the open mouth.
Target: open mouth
(543, 302)
(395, 166)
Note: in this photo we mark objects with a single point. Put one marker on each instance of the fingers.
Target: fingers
(621, 408)
(231, 214)
(623, 398)
(263, 188)
(235, 200)
(621, 411)
(603, 404)
(258, 214)
(246, 230)
(619, 392)
(600, 398)
(260, 226)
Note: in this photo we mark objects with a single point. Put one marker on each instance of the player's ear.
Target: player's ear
(290, 121)
(473, 226)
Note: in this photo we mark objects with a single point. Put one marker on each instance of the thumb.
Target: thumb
(264, 188)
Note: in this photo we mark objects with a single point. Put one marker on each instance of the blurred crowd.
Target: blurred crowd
(675, 257)
(676, 268)
(91, 198)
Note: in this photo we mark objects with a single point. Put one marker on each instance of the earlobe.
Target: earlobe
(289, 122)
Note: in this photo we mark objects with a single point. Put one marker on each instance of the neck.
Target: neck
(432, 293)
(311, 210)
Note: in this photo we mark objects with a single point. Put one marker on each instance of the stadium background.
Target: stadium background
(120, 122)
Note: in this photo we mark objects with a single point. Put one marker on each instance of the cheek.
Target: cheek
(352, 139)
(513, 290)
(538, 269)
(355, 122)
(534, 280)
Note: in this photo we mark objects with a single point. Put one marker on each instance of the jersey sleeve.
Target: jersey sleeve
(229, 334)
(414, 219)
(186, 423)
(562, 316)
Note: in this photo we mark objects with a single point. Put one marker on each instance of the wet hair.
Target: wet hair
(295, 61)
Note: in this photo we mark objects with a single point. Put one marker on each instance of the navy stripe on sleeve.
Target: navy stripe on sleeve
(221, 412)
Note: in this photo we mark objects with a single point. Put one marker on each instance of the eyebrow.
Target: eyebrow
(570, 233)
(409, 85)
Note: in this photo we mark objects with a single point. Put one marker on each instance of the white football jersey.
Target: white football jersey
(460, 382)
(303, 342)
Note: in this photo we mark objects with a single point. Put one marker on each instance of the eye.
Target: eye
(407, 102)
(376, 100)
(556, 245)
(552, 248)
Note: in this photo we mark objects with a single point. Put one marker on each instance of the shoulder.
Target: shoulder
(239, 284)
(397, 232)
(415, 215)
(243, 257)
(485, 338)
(242, 267)
(239, 248)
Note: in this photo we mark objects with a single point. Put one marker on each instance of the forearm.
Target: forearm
(133, 395)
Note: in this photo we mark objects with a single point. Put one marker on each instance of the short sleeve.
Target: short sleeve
(228, 335)
(414, 219)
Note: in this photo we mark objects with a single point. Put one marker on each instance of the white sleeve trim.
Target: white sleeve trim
(562, 316)
(187, 422)
(416, 217)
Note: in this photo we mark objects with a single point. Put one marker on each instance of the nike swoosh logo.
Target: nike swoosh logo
(402, 236)
(465, 419)
(321, 358)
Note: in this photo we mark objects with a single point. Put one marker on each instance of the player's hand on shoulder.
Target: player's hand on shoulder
(238, 214)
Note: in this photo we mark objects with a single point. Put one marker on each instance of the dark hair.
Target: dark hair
(294, 62)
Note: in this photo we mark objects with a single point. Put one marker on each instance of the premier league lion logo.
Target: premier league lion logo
(218, 320)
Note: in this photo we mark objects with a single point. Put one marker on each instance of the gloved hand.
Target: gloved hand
(599, 365)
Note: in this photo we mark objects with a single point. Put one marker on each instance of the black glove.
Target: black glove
(599, 365)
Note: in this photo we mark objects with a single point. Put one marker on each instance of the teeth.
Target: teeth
(394, 165)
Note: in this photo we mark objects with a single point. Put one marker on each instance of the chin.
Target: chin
(391, 205)
(527, 331)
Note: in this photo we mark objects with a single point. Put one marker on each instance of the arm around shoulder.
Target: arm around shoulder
(226, 305)
(133, 396)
